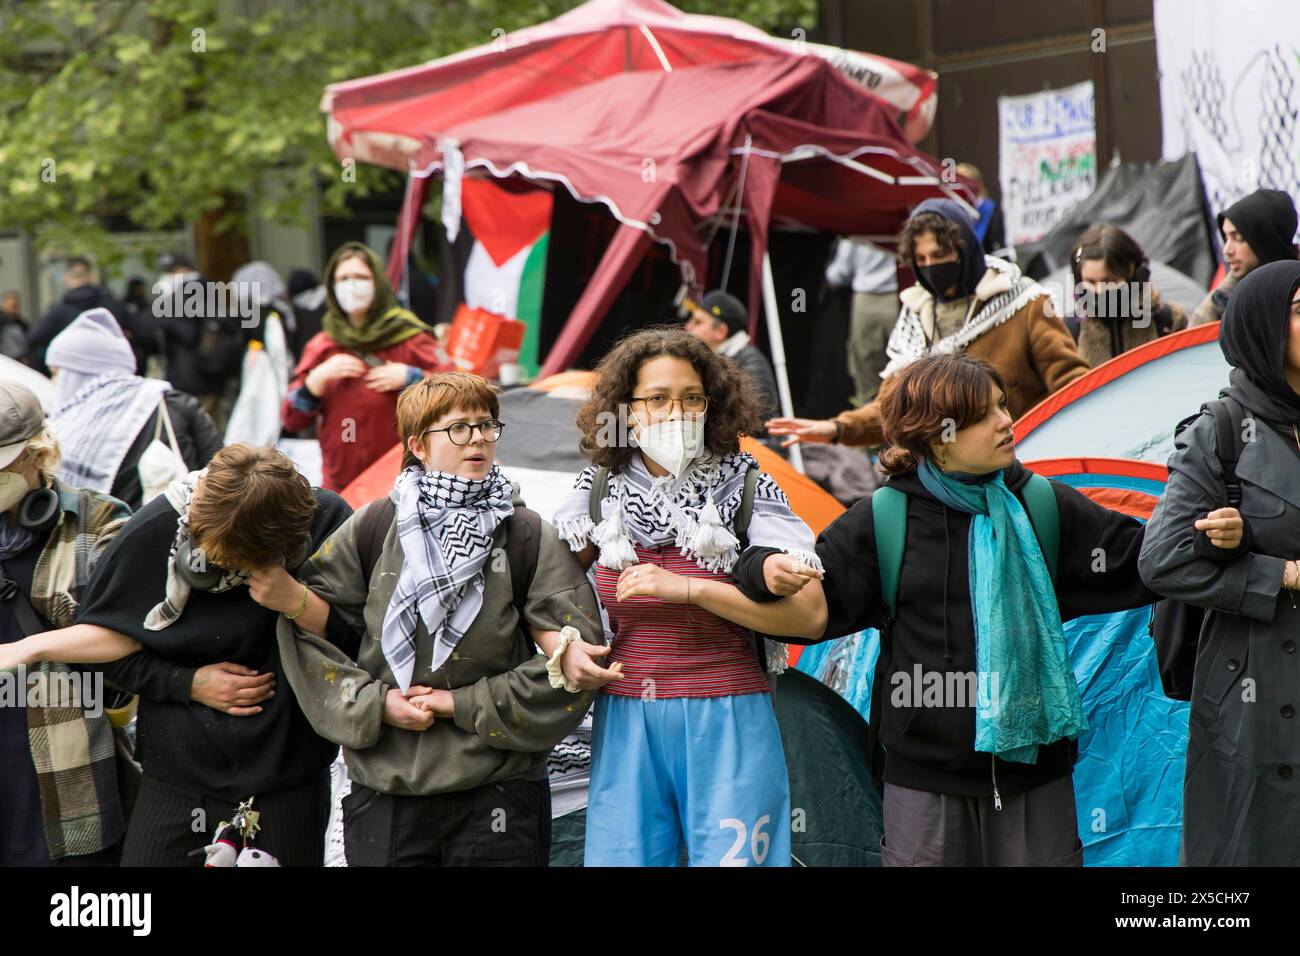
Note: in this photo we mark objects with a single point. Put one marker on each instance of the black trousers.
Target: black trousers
(497, 824)
(169, 824)
(1034, 828)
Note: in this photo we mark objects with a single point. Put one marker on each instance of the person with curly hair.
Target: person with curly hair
(685, 748)
(963, 302)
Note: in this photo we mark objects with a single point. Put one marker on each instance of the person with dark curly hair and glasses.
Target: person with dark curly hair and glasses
(685, 748)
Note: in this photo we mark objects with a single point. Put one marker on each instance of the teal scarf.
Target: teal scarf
(1032, 696)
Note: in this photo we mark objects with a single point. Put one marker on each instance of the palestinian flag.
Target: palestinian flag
(505, 269)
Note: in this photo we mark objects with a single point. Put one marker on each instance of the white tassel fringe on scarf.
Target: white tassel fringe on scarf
(694, 513)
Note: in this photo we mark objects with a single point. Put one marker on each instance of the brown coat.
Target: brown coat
(1094, 337)
(1032, 350)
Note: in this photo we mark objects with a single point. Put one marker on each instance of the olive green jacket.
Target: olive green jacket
(508, 716)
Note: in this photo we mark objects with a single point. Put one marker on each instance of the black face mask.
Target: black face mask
(940, 277)
(1129, 301)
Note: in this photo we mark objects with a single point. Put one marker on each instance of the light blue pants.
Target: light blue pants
(705, 772)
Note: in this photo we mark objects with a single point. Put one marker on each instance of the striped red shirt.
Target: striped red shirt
(676, 650)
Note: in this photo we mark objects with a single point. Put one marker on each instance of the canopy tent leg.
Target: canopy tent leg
(777, 345)
(622, 256)
(408, 221)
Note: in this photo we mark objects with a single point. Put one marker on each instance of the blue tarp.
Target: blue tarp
(1128, 783)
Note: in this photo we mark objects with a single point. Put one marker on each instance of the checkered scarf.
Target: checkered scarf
(693, 512)
(445, 525)
(97, 425)
(179, 495)
(73, 752)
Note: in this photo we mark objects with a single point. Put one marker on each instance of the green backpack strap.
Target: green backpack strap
(889, 521)
(1045, 516)
(599, 488)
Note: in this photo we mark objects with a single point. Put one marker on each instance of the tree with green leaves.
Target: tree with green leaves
(172, 112)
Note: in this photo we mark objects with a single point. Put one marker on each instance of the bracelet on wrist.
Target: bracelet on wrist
(301, 607)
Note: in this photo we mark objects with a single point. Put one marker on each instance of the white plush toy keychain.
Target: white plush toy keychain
(223, 851)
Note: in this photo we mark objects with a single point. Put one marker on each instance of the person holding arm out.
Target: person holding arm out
(168, 611)
(980, 772)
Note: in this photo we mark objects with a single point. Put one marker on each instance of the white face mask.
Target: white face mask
(354, 294)
(672, 444)
(13, 487)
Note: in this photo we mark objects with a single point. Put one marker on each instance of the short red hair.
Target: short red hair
(422, 404)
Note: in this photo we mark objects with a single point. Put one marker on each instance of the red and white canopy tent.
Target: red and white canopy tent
(381, 119)
(781, 138)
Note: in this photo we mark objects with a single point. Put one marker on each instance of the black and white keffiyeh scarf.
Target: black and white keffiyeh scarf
(445, 525)
(694, 512)
(168, 611)
(96, 427)
(1005, 291)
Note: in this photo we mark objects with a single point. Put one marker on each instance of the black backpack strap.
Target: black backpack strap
(599, 488)
(21, 608)
(523, 544)
(370, 535)
(1229, 443)
(745, 513)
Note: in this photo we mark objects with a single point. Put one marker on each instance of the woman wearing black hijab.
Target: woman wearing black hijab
(1241, 792)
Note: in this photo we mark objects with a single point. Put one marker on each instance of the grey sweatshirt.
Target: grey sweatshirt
(508, 716)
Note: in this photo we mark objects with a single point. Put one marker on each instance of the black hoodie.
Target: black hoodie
(1253, 336)
(970, 255)
(932, 748)
(1266, 219)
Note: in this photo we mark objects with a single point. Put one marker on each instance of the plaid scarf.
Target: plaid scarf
(445, 525)
(179, 495)
(73, 753)
(97, 425)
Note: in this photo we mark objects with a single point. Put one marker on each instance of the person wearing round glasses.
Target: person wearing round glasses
(685, 748)
(443, 707)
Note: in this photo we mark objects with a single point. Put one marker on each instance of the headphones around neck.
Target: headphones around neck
(202, 575)
(39, 510)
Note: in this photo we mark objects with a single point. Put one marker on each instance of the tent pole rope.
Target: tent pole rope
(735, 221)
(718, 221)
